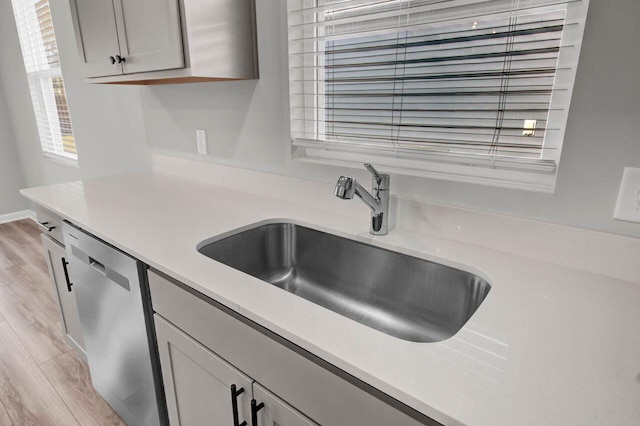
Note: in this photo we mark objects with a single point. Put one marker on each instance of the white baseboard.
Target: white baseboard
(23, 214)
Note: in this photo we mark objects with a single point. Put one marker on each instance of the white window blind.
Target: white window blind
(42, 63)
(435, 85)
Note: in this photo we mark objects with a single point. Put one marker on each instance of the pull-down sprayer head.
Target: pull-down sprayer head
(345, 187)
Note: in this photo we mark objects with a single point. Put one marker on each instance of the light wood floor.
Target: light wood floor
(42, 381)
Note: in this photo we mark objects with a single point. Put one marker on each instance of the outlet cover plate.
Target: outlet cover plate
(628, 205)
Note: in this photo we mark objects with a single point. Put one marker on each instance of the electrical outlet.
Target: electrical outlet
(628, 205)
(201, 139)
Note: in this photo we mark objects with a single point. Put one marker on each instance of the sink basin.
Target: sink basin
(400, 295)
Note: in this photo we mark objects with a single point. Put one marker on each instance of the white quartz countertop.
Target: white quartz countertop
(550, 345)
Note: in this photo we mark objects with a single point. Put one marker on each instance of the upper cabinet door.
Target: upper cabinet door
(150, 35)
(97, 37)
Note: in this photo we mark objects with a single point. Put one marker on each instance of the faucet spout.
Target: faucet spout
(373, 202)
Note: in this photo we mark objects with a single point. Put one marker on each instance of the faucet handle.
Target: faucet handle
(381, 181)
(372, 170)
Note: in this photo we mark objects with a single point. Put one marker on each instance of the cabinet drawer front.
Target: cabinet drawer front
(197, 382)
(50, 220)
(309, 387)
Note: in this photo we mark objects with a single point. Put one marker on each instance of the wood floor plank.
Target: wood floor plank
(42, 337)
(69, 375)
(44, 341)
(15, 311)
(21, 242)
(34, 290)
(30, 229)
(4, 416)
(7, 254)
(20, 245)
(4, 278)
(25, 392)
(11, 244)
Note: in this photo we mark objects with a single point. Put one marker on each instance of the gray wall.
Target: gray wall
(106, 120)
(10, 173)
(247, 124)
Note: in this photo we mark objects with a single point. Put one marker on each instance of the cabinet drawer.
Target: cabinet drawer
(293, 374)
(50, 223)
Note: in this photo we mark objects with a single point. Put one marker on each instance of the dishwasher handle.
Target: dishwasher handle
(97, 266)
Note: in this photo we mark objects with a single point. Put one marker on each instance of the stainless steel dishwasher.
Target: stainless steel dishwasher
(115, 311)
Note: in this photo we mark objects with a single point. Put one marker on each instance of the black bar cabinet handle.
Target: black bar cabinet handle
(254, 411)
(234, 405)
(66, 274)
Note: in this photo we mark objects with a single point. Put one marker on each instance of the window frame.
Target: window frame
(518, 173)
(43, 100)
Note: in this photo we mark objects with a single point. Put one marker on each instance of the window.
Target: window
(42, 63)
(468, 90)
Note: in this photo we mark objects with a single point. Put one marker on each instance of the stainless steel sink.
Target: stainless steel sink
(403, 296)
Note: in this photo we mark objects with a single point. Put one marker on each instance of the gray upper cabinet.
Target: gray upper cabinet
(97, 37)
(165, 41)
(150, 34)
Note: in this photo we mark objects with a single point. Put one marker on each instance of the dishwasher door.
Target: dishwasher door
(115, 313)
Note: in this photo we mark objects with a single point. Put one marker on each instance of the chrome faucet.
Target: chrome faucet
(347, 186)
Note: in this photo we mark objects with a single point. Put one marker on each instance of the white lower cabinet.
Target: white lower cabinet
(203, 389)
(56, 258)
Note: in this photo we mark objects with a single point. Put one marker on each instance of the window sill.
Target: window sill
(514, 176)
(61, 159)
